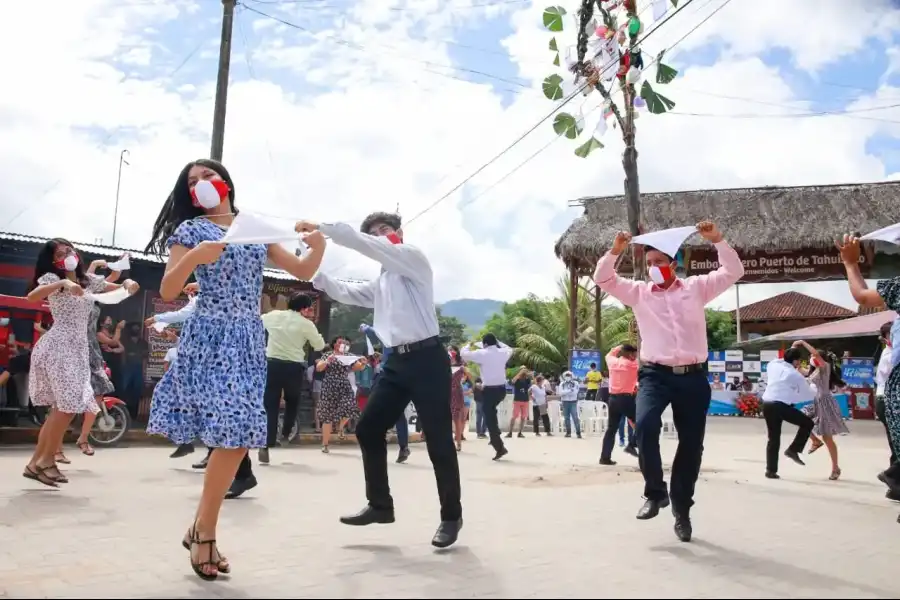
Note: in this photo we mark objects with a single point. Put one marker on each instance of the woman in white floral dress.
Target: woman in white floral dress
(60, 375)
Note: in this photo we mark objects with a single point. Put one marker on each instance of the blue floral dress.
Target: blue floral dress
(214, 391)
(889, 289)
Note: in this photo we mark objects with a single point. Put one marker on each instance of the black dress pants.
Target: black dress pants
(775, 414)
(619, 405)
(421, 376)
(493, 395)
(282, 377)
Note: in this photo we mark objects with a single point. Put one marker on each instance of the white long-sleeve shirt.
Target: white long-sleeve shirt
(883, 371)
(178, 316)
(786, 384)
(492, 361)
(402, 295)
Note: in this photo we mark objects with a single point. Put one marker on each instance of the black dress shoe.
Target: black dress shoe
(403, 455)
(447, 533)
(631, 449)
(683, 528)
(651, 508)
(794, 456)
(892, 495)
(501, 453)
(369, 516)
(607, 462)
(202, 464)
(182, 450)
(239, 486)
(772, 475)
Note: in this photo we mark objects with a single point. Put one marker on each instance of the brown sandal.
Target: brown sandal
(199, 566)
(58, 477)
(223, 565)
(37, 474)
(85, 448)
(815, 447)
(61, 458)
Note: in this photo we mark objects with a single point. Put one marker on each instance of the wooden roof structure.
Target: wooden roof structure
(753, 219)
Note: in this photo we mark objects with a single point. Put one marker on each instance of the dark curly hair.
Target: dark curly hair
(380, 218)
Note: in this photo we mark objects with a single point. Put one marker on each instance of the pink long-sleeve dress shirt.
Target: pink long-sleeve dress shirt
(672, 321)
(623, 373)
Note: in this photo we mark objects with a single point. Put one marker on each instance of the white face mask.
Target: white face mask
(342, 348)
(4, 322)
(71, 263)
(207, 195)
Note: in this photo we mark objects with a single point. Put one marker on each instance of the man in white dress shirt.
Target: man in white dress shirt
(417, 370)
(786, 388)
(491, 358)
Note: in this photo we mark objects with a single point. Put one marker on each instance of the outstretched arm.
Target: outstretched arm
(406, 260)
(357, 294)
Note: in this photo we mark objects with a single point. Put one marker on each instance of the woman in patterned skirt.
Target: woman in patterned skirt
(60, 375)
(885, 296)
(458, 410)
(214, 391)
(337, 402)
(824, 374)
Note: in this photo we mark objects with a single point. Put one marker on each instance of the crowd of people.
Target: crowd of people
(224, 384)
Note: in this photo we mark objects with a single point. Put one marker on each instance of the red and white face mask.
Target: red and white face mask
(209, 193)
(394, 238)
(69, 263)
(452, 356)
(661, 275)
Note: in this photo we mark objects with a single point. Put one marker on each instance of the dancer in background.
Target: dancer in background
(289, 333)
(172, 318)
(825, 412)
(214, 391)
(337, 403)
(786, 388)
(402, 425)
(670, 316)
(60, 374)
(882, 374)
(491, 358)
(418, 368)
(538, 395)
(458, 410)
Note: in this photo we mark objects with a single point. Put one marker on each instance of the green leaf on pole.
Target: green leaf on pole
(565, 124)
(553, 87)
(589, 146)
(665, 73)
(553, 18)
(553, 47)
(656, 103)
(556, 60)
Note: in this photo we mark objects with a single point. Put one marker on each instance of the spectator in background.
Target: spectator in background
(521, 385)
(592, 381)
(882, 372)
(478, 397)
(134, 360)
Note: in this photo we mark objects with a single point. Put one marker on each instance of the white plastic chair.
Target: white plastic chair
(594, 416)
(668, 423)
(554, 411)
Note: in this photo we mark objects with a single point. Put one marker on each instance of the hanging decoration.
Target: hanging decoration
(606, 49)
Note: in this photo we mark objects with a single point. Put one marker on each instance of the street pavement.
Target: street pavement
(546, 522)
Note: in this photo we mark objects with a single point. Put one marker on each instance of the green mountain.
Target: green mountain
(472, 312)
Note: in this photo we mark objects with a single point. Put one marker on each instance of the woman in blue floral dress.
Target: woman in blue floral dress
(214, 391)
(885, 296)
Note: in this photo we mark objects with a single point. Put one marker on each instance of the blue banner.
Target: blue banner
(858, 372)
(580, 362)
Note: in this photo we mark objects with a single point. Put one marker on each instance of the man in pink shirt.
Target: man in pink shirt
(623, 374)
(670, 316)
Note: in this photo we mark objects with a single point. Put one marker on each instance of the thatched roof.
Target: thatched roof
(766, 218)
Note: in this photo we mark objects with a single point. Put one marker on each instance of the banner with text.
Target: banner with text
(157, 344)
(580, 362)
(814, 264)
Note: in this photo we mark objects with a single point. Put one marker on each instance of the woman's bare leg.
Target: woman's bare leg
(220, 472)
(326, 434)
(50, 439)
(458, 425)
(87, 423)
(832, 452)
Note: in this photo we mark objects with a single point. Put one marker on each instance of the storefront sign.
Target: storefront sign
(777, 266)
(158, 345)
(276, 294)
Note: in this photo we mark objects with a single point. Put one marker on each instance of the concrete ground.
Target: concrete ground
(546, 522)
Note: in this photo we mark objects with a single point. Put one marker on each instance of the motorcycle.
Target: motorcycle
(113, 421)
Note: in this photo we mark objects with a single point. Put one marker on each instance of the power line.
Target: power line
(563, 103)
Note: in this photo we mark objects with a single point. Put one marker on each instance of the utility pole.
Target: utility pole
(122, 161)
(218, 133)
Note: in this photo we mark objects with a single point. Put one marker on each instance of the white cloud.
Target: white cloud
(335, 130)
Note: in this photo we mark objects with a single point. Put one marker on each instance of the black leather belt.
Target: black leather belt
(413, 346)
(679, 370)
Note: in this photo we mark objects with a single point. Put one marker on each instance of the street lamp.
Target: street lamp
(122, 161)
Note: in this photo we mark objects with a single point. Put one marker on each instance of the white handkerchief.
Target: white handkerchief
(454, 369)
(347, 359)
(158, 326)
(890, 234)
(113, 297)
(248, 228)
(667, 240)
(369, 347)
(120, 265)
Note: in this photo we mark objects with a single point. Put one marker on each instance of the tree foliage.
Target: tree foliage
(606, 51)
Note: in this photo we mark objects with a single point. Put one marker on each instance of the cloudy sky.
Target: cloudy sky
(359, 105)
